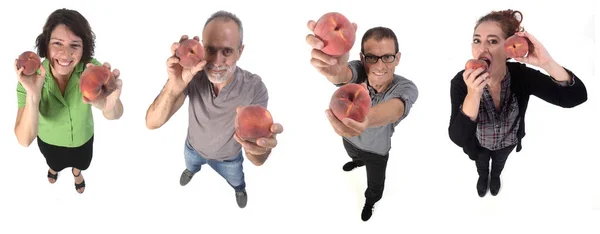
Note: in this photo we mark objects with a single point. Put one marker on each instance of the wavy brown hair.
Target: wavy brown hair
(76, 23)
(509, 21)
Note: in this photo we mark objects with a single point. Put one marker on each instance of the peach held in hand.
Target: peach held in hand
(476, 63)
(29, 60)
(516, 46)
(253, 122)
(97, 82)
(336, 32)
(190, 53)
(351, 101)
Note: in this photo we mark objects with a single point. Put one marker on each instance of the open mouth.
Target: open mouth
(487, 60)
(63, 63)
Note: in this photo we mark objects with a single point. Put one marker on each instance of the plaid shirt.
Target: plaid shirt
(496, 130)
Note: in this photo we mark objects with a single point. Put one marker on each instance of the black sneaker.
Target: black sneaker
(185, 178)
(349, 166)
(241, 198)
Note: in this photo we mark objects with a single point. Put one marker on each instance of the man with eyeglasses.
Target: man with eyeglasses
(368, 143)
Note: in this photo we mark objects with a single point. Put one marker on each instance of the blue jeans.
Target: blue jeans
(231, 170)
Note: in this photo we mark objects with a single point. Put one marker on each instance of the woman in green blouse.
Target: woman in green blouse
(50, 103)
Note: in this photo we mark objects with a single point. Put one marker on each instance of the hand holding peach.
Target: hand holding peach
(255, 130)
(536, 55)
(330, 46)
(33, 82)
(100, 86)
(475, 64)
(475, 78)
(349, 109)
(187, 59)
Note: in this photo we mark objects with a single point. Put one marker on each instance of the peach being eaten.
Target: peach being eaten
(30, 61)
(476, 63)
(97, 82)
(351, 101)
(190, 52)
(336, 32)
(253, 122)
(517, 46)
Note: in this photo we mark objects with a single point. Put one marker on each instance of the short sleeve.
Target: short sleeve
(21, 95)
(261, 94)
(95, 62)
(358, 72)
(407, 91)
(186, 90)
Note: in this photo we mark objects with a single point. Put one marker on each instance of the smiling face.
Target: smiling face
(65, 50)
(380, 73)
(488, 44)
(221, 40)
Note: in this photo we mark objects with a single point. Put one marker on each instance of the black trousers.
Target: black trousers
(498, 158)
(376, 165)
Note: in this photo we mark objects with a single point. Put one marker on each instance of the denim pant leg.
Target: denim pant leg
(193, 160)
(232, 171)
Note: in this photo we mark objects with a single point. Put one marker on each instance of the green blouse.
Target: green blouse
(64, 120)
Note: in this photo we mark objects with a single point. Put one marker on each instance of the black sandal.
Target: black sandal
(52, 176)
(80, 185)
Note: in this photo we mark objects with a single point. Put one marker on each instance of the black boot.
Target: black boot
(482, 185)
(495, 185)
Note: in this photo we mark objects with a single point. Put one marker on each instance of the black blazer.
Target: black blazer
(525, 81)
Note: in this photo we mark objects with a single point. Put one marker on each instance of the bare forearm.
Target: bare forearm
(161, 109)
(27, 128)
(258, 160)
(471, 106)
(557, 72)
(385, 113)
(344, 77)
(115, 113)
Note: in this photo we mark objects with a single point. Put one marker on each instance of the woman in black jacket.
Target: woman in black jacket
(488, 105)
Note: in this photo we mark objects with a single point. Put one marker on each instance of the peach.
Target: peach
(29, 60)
(253, 122)
(516, 46)
(97, 82)
(190, 52)
(351, 101)
(476, 63)
(336, 32)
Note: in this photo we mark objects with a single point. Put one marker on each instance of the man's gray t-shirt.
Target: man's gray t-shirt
(211, 118)
(378, 140)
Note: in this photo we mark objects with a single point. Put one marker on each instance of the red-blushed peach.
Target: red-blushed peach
(516, 46)
(351, 101)
(30, 61)
(253, 122)
(190, 52)
(336, 32)
(97, 82)
(475, 64)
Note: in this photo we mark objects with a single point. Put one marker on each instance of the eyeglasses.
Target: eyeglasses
(386, 58)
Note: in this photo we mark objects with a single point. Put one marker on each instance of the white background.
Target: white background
(552, 185)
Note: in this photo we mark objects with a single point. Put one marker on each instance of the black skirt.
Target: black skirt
(59, 158)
